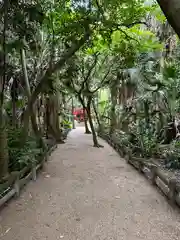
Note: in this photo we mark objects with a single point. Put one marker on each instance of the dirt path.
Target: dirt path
(86, 193)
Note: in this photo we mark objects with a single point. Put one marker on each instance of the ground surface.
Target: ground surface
(86, 193)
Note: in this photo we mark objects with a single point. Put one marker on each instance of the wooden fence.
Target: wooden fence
(12, 185)
(169, 185)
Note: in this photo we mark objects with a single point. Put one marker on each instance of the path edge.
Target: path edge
(169, 186)
(15, 183)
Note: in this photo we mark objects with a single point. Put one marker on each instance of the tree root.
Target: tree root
(88, 132)
(98, 146)
(60, 141)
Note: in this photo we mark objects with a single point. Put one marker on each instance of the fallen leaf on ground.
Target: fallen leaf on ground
(3, 234)
(117, 197)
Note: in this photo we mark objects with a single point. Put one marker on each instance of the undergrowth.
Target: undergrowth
(19, 157)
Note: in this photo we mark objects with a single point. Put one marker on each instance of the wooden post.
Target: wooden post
(34, 177)
(46, 156)
(127, 158)
(172, 190)
(154, 174)
(116, 146)
(17, 187)
(120, 152)
(140, 167)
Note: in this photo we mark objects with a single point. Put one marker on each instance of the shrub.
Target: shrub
(67, 124)
(172, 155)
(20, 157)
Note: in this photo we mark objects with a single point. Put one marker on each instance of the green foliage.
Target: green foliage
(122, 139)
(66, 124)
(20, 157)
(145, 139)
(172, 155)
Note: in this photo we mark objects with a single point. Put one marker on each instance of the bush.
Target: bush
(144, 139)
(66, 124)
(20, 157)
(172, 155)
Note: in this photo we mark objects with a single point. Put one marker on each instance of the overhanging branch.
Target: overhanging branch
(103, 81)
(86, 78)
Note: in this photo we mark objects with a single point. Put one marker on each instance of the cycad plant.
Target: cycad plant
(156, 103)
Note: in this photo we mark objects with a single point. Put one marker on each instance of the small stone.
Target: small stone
(117, 197)
(47, 176)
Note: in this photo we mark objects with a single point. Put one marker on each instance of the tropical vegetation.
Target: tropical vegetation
(118, 59)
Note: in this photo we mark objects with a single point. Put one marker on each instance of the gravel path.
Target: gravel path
(86, 193)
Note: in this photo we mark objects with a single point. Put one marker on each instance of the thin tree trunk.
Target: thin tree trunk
(114, 92)
(14, 98)
(96, 114)
(64, 101)
(72, 112)
(14, 113)
(4, 154)
(38, 110)
(47, 116)
(88, 109)
(87, 131)
(28, 92)
(44, 79)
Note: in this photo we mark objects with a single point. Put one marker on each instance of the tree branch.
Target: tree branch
(128, 36)
(130, 25)
(86, 78)
(115, 27)
(44, 80)
(103, 81)
(100, 8)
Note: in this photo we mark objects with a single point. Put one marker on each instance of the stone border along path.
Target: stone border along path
(86, 193)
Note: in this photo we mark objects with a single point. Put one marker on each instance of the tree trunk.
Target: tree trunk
(113, 110)
(72, 112)
(114, 92)
(171, 9)
(4, 154)
(14, 98)
(146, 112)
(38, 109)
(96, 114)
(47, 116)
(44, 79)
(88, 109)
(28, 92)
(87, 131)
(52, 119)
(14, 122)
(64, 101)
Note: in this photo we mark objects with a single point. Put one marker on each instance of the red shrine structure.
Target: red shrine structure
(79, 114)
